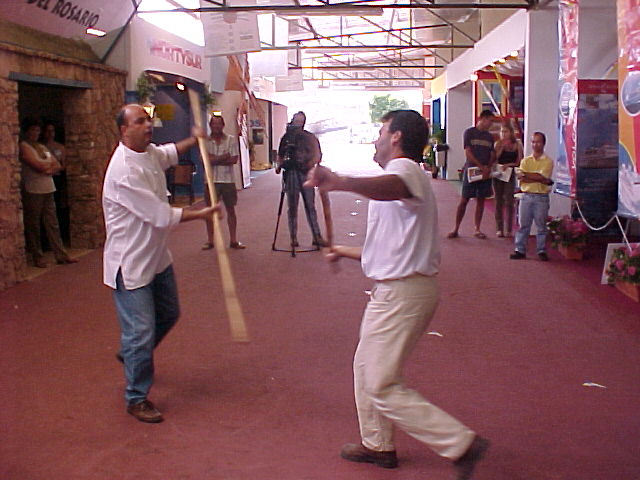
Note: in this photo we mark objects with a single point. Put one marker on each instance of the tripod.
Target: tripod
(288, 188)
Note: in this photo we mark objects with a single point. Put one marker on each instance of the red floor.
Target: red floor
(512, 345)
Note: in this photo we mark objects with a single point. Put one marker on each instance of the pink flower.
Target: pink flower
(619, 264)
(631, 271)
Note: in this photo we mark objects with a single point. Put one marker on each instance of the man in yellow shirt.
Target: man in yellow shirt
(535, 182)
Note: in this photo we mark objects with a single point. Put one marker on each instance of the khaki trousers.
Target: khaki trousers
(395, 318)
(41, 208)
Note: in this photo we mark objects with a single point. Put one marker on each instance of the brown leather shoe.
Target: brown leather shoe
(360, 453)
(145, 411)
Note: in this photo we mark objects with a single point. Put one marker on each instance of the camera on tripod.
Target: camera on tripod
(291, 156)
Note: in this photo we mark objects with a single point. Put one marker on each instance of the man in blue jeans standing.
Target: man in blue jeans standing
(137, 262)
(535, 182)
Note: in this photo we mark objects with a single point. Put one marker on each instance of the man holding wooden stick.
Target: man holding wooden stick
(137, 262)
(401, 254)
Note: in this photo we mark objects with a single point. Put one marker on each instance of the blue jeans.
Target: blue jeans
(146, 315)
(534, 207)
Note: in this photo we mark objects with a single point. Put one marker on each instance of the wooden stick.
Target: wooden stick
(236, 318)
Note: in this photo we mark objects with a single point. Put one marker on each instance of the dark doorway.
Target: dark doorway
(46, 103)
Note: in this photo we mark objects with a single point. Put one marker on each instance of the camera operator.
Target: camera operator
(299, 151)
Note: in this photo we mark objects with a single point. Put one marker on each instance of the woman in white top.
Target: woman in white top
(38, 166)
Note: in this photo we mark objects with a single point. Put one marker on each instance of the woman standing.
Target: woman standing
(509, 154)
(38, 166)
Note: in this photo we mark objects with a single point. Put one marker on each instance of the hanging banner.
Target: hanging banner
(67, 18)
(230, 33)
(565, 168)
(629, 108)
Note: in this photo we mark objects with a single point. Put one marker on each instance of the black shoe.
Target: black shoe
(543, 256)
(359, 453)
(120, 358)
(517, 255)
(320, 242)
(466, 464)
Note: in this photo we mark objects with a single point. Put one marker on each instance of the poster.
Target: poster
(629, 108)
(229, 33)
(565, 168)
(597, 150)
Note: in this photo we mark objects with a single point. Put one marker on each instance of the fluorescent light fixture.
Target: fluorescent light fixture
(216, 113)
(95, 32)
(180, 86)
(515, 54)
(473, 77)
(502, 60)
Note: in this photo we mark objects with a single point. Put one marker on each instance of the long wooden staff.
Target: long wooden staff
(328, 220)
(236, 318)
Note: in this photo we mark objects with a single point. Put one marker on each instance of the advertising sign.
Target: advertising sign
(629, 108)
(565, 168)
(156, 49)
(597, 149)
(68, 18)
(229, 33)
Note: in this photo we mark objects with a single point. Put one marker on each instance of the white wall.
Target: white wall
(459, 107)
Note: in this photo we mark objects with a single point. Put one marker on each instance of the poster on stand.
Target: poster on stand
(629, 108)
(597, 150)
(565, 168)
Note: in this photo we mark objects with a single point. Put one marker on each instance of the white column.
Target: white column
(541, 84)
(459, 117)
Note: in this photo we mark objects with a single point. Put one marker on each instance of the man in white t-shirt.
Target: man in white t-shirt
(137, 263)
(401, 254)
(223, 156)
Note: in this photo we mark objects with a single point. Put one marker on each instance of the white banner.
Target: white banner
(291, 82)
(230, 32)
(269, 63)
(155, 49)
(67, 18)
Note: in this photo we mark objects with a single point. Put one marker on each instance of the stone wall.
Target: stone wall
(91, 136)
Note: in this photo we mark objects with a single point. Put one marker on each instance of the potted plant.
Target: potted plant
(145, 88)
(624, 271)
(569, 236)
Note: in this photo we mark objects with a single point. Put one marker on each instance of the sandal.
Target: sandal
(237, 245)
(500, 234)
(452, 235)
(207, 246)
(480, 235)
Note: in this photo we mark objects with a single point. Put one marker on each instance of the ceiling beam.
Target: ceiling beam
(363, 67)
(337, 48)
(336, 9)
(384, 30)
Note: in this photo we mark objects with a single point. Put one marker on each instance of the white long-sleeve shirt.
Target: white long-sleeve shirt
(137, 214)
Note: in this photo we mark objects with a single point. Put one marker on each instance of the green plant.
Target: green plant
(382, 104)
(566, 231)
(145, 87)
(208, 98)
(625, 265)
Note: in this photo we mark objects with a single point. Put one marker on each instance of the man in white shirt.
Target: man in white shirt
(223, 156)
(401, 254)
(137, 262)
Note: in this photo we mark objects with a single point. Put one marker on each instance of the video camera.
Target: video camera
(289, 139)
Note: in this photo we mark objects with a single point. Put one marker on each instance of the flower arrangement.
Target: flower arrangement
(567, 232)
(625, 265)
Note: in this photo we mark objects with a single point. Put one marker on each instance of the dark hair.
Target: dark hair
(29, 122)
(414, 128)
(486, 114)
(216, 116)
(297, 114)
(542, 135)
(121, 118)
